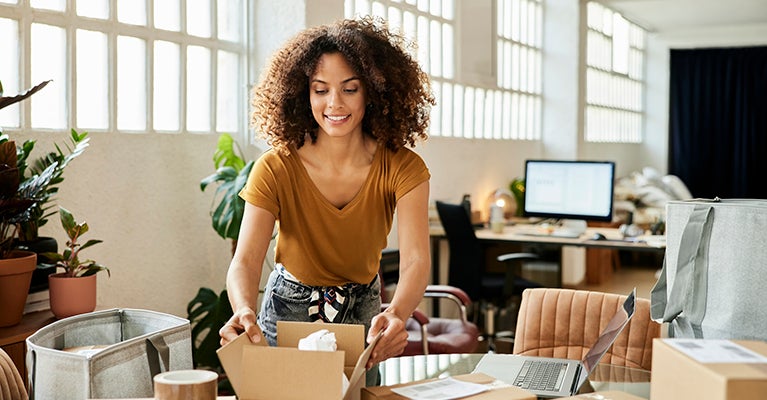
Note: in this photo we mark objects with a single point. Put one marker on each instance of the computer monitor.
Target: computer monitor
(572, 190)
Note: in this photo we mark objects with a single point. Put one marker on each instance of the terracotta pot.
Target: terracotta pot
(15, 276)
(72, 296)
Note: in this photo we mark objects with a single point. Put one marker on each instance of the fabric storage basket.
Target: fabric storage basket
(134, 345)
(714, 274)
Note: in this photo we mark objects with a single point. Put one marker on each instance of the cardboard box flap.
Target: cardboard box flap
(359, 369)
(606, 395)
(230, 356)
(349, 338)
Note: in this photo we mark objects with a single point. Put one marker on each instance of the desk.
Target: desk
(414, 368)
(517, 234)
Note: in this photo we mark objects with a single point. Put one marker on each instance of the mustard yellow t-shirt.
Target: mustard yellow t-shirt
(318, 243)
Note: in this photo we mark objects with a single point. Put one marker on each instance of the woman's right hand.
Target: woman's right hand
(243, 320)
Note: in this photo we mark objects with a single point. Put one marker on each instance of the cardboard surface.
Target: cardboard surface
(284, 372)
(606, 395)
(677, 376)
(498, 390)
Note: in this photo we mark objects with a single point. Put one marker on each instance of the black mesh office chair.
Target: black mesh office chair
(488, 291)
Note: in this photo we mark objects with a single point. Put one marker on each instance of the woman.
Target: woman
(338, 104)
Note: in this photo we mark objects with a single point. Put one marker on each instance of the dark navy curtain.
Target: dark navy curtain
(718, 121)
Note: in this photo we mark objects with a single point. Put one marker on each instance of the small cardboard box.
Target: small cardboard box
(605, 395)
(687, 369)
(496, 392)
(261, 372)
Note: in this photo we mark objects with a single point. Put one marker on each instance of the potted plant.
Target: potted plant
(26, 235)
(74, 290)
(18, 194)
(208, 311)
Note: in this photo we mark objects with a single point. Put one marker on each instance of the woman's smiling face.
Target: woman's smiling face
(337, 96)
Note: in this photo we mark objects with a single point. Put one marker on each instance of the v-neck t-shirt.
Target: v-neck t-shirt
(318, 243)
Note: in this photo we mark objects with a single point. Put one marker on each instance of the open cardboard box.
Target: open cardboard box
(731, 370)
(260, 372)
(496, 389)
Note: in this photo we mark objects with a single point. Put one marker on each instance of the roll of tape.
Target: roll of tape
(188, 384)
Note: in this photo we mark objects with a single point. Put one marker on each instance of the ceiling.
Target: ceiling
(667, 16)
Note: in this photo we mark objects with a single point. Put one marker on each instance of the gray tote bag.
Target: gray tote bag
(714, 276)
(134, 345)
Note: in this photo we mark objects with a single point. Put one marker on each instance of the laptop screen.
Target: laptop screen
(608, 336)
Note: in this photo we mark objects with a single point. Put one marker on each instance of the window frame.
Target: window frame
(25, 15)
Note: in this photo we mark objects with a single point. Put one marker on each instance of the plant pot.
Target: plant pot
(72, 296)
(15, 276)
(45, 267)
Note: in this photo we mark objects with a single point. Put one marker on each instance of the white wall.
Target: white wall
(140, 193)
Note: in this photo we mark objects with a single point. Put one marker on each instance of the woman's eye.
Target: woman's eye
(320, 91)
(350, 90)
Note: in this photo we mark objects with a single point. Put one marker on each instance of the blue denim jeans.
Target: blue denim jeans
(286, 299)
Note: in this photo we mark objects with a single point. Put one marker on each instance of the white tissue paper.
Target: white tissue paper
(322, 340)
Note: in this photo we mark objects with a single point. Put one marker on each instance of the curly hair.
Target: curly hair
(398, 92)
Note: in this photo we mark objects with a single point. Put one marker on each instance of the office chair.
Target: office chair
(434, 335)
(565, 323)
(489, 291)
(11, 384)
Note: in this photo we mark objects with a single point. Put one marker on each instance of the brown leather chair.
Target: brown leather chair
(565, 323)
(11, 384)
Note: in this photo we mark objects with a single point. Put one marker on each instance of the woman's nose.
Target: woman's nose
(334, 99)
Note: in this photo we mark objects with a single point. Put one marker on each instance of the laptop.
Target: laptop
(555, 377)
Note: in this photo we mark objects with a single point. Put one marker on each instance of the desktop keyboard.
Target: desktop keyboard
(541, 375)
(559, 232)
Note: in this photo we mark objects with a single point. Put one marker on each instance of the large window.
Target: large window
(510, 109)
(519, 41)
(614, 77)
(143, 66)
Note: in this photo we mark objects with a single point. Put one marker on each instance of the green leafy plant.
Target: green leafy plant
(17, 197)
(207, 311)
(59, 159)
(517, 187)
(231, 175)
(26, 197)
(69, 259)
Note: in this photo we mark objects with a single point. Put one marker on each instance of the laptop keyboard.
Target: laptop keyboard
(541, 375)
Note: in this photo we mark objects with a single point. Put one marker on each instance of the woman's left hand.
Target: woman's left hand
(393, 341)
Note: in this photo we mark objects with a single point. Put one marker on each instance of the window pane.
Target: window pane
(230, 20)
(9, 71)
(48, 61)
(131, 12)
(131, 83)
(167, 86)
(167, 15)
(92, 80)
(8, 1)
(93, 8)
(198, 17)
(198, 89)
(620, 44)
(56, 5)
(227, 93)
